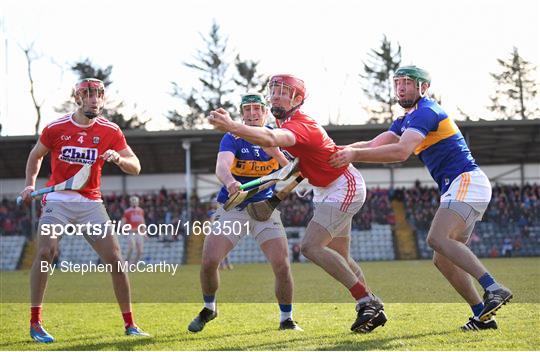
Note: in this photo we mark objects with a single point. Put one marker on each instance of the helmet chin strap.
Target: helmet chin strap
(406, 104)
(90, 115)
(282, 114)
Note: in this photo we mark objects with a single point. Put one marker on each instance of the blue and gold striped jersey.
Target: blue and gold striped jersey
(250, 163)
(443, 150)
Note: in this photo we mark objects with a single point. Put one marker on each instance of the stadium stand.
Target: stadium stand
(247, 251)
(13, 219)
(11, 248)
(511, 225)
(297, 211)
(76, 250)
(373, 244)
(156, 251)
(366, 245)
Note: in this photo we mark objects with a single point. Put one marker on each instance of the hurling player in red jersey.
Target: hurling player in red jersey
(82, 137)
(338, 193)
(134, 216)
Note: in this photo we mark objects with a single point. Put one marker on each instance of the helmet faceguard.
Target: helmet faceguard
(419, 76)
(87, 88)
(254, 103)
(285, 87)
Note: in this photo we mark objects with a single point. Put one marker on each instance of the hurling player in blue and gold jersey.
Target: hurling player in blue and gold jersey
(427, 131)
(239, 162)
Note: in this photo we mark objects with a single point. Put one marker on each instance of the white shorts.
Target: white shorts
(74, 213)
(472, 188)
(237, 219)
(336, 204)
(64, 213)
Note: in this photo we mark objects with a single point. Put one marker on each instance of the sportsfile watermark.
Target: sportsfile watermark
(226, 228)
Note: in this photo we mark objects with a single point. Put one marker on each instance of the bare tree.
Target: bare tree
(248, 79)
(31, 56)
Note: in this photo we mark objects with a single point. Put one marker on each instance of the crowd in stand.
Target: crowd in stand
(509, 205)
(163, 207)
(166, 207)
(511, 217)
(297, 211)
(13, 219)
(515, 205)
(421, 203)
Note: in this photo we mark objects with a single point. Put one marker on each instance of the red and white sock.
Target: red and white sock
(359, 292)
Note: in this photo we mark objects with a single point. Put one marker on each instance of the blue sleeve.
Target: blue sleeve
(395, 126)
(228, 144)
(424, 120)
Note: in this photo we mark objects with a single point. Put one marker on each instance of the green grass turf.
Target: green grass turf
(423, 310)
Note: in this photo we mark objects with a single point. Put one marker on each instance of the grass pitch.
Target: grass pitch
(423, 310)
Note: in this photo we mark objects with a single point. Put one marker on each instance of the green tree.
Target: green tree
(215, 88)
(377, 80)
(516, 89)
(219, 84)
(247, 77)
(85, 69)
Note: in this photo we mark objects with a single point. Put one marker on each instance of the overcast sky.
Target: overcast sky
(323, 42)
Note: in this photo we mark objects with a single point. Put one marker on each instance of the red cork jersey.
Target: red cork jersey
(134, 216)
(73, 145)
(314, 148)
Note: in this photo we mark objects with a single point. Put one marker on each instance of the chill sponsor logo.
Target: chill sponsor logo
(78, 155)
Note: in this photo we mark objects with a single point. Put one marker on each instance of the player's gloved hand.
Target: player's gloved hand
(233, 187)
(111, 156)
(25, 194)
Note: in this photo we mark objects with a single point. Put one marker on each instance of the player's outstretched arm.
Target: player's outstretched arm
(384, 138)
(126, 160)
(265, 137)
(390, 153)
(262, 136)
(33, 165)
